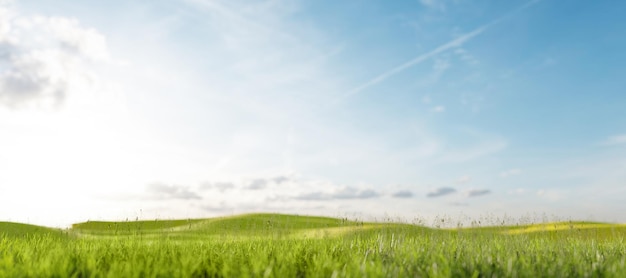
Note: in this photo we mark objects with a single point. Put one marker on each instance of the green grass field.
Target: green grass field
(274, 245)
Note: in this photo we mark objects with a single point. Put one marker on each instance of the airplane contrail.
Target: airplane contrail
(419, 59)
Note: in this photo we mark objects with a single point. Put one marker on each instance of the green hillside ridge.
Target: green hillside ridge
(264, 225)
(11, 229)
(270, 224)
(109, 226)
(238, 221)
(258, 224)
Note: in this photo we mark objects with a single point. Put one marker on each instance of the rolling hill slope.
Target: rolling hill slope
(265, 225)
(11, 229)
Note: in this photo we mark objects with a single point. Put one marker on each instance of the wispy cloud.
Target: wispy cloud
(441, 192)
(438, 109)
(265, 47)
(548, 62)
(477, 192)
(434, 4)
(465, 56)
(261, 183)
(256, 184)
(615, 140)
(344, 193)
(165, 191)
(440, 66)
(402, 194)
(415, 61)
(281, 179)
(455, 43)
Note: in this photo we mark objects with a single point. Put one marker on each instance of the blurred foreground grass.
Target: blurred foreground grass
(273, 245)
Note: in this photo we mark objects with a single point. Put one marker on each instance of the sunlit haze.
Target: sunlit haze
(113, 110)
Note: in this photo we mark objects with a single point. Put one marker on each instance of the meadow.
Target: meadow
(276, 245)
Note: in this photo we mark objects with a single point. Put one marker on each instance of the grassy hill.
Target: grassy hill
(115, 227)
(296, 226)
(10, 229)
(255, 220)
(246, 225)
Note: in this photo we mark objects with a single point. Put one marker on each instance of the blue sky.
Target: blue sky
(372, 109)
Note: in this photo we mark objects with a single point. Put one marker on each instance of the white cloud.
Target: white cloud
(548, 62)
(402, 194)
(6, 16)
(45, 70)
(615, 140)
(256, 184)
(441, 192)
(165, 191)
(465, 56)
(434, 4)
(438, 109)
(477, 192)
(344, 193)
(510, 173)
(439, 68)
(473, 101)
